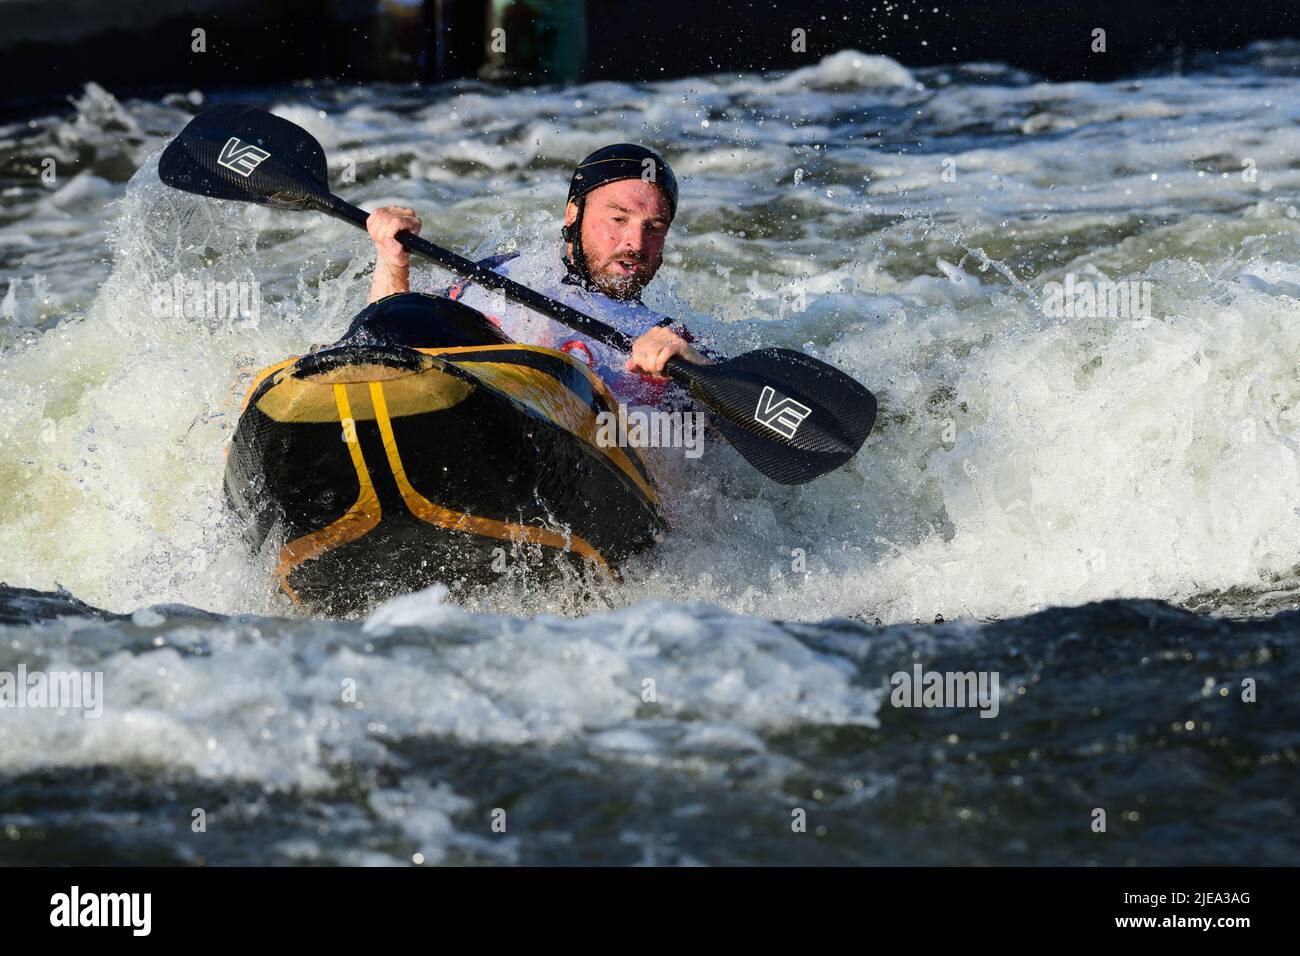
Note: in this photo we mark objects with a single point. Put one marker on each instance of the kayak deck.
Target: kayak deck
(380, 469)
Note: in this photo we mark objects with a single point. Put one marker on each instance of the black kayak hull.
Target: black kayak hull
(373, 469)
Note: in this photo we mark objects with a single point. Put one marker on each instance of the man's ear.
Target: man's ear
(570, 213)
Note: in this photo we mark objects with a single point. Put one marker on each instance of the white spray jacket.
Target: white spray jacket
(526, 326)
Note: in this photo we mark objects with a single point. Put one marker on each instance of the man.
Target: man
(621, 204)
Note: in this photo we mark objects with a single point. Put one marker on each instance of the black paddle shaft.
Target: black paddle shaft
(466, 268)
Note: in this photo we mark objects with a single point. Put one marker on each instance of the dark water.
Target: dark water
(1134, 707)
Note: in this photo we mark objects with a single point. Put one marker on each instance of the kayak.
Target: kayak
(369, 469)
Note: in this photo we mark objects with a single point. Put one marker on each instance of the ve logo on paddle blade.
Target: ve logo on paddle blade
(782, 415)
(241, 157)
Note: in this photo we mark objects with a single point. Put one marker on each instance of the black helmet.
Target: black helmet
(624, 161)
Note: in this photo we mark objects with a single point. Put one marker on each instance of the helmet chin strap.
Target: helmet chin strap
(575, 265)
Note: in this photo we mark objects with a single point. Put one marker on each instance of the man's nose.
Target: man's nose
(634, 238)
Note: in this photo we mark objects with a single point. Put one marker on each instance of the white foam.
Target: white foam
(847, 68)
(1087, 458)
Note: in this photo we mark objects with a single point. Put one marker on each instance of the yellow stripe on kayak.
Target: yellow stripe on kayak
(434, 514)
(359, 520)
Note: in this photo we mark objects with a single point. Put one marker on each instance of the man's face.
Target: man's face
(624, 226)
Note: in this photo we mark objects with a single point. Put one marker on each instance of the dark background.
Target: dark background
(49, 48)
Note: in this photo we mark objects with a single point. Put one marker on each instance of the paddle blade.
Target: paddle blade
(243, 153)
(791, 417)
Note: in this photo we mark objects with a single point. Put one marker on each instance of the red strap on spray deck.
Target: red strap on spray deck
(573, 344)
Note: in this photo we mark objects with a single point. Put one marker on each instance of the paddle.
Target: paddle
(791, 416)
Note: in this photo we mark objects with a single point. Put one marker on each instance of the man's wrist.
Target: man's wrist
(388, 280)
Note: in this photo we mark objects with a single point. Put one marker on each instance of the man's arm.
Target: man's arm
(392, 262)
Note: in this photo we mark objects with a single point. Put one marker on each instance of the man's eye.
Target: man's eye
(620, 219)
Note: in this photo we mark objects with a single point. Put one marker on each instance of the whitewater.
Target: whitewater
(1102, 508)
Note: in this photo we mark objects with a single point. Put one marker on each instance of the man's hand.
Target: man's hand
(392, 262)
(652, 350)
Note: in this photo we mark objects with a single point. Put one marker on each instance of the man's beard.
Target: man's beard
(618, 286)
